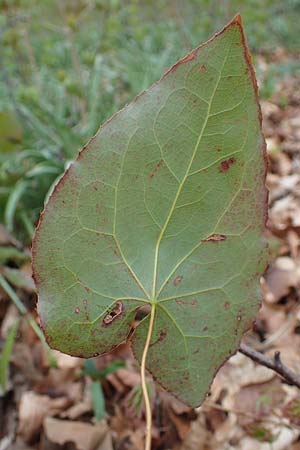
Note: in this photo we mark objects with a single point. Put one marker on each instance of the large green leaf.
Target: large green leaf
(164, 206)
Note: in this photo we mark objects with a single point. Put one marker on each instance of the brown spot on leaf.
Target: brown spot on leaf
(86, 311)
(203, 68)
(156, 168)
(225, 165)
(215, 238)
(116, 311)
(77, 310)
(187, 302)
(226, 305)
(161, 338)
(177, 280)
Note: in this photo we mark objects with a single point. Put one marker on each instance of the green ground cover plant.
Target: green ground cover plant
(164, 209)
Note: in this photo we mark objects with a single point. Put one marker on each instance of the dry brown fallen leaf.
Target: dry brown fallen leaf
(82, 406)
(240, 371)
(293, 241)
(283, 162)
(10, 318)
(258, 400)
(281, 276)
(130, 378)
(64, 361)
(18, 444)
(84, 435)
(33, 409)
(199, 437)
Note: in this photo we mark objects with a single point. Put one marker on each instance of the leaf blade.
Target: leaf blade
(169, 208)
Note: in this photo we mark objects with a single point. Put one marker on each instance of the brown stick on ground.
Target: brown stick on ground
(274, 364)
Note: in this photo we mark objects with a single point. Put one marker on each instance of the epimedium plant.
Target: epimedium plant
(164, 207)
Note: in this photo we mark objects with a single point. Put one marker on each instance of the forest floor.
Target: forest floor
(53, 405)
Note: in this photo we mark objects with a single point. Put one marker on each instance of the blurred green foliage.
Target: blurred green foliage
(96, 376)
(5, 355)
(65, 67)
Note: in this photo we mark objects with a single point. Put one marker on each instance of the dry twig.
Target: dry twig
(274, 364)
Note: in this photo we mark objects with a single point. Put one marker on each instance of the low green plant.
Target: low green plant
(96, 377)
(163, 209)
(5, 356)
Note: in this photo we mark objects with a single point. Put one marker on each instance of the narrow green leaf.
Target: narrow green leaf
(12, 253)
(42, 169)
(95, 374)
(12, 203)
(5, 356)
(98, 400)
(18, 278)
(165, 206)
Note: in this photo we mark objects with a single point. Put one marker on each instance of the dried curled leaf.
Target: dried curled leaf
(165, 205)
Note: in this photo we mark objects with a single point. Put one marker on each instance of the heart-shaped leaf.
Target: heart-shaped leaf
(165, 206)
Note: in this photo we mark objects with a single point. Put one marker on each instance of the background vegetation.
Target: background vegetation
(65, 67)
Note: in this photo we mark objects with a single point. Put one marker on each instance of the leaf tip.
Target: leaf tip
(237, 19)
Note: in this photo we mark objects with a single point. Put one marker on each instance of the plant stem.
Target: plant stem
(143, 381)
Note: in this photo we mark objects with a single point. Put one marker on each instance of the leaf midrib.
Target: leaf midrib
(154, 286)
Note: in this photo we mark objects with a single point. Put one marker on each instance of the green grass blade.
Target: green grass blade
(6, 354)
(98, 400)
(12, 204)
